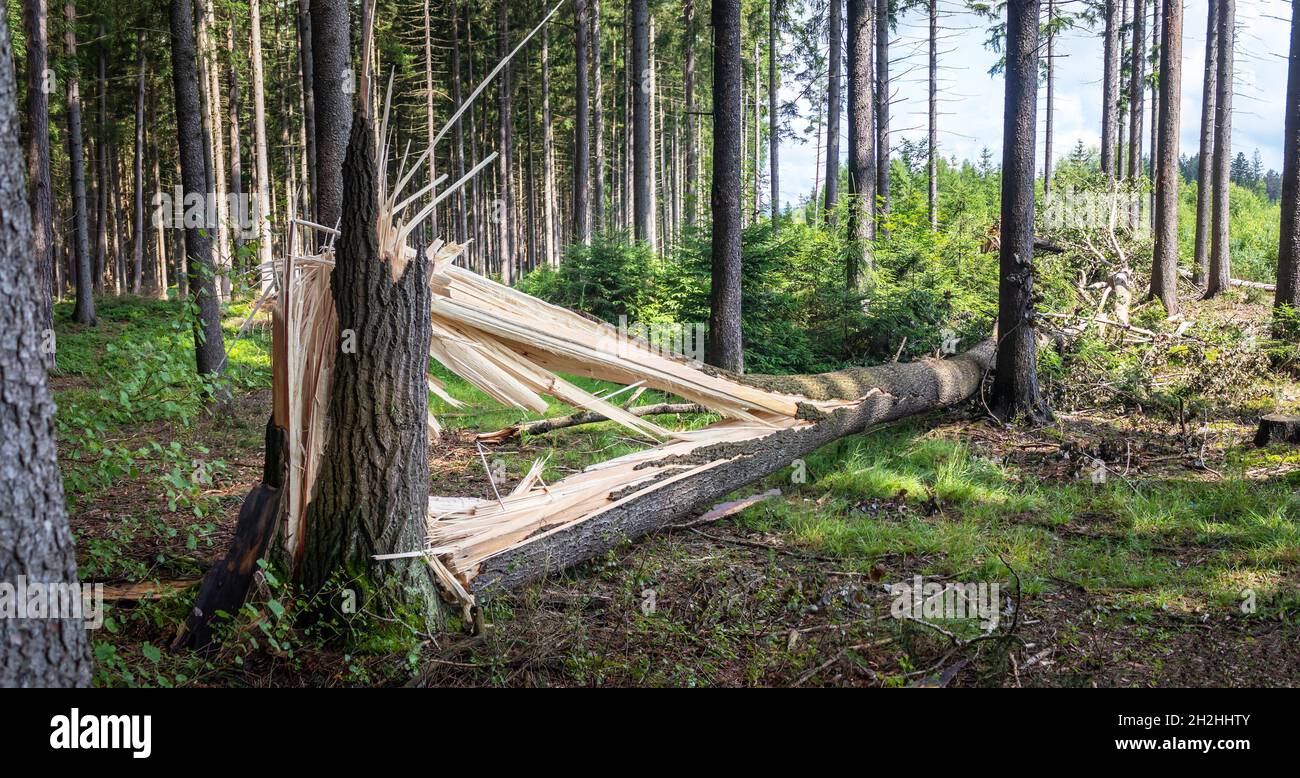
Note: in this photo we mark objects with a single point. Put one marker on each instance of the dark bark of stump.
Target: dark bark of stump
(35, 540)
(373, 488)
(1015, 389)
(725, 348)
(906, 389)
(1277, 428)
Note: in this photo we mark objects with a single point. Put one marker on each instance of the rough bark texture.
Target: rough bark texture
(834, 99)
(40, 196)
(642, 215)
(260, 150)
(209, 352)
(1205, 163)
(1050, 104)
(138, 224)
(84, 310)
(1164, 266)
(905, 390)
(692, 141)
(1288, 255)
(505, 162)
(581, 129)
(1277, 428)
(862, 142)
(35, 540)
(1110, 90)
(597, 125)
(1015, 388)
(1136, 88)
(725, 347)
(1220, 275)
(332, 88)
(373, 488)
(773, 118)
(882, 115)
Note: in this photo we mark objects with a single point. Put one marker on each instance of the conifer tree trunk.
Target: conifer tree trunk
(831, 193)
(1220, 276)
(1288, 255)
(882, 115)
(208, 349)
(597, 125)
(862, 145)
(1164, 268)
(332, 88)
(548, 156)
(1050, 67)
(138, 224)
(932, 143)
(773, 120)
(34, 531)
(581, 129)
(1015, 386)
(40, 193)
(1205, 162)
(505, 211)
(725, 347)
(260, 150)
(84, 310)
(1137, 89)
(1110, 90)
(642, 206)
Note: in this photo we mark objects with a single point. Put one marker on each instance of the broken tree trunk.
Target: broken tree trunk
(542, 426)
(900, 390)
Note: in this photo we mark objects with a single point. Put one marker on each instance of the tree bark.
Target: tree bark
(548, 156)
(138, 225)
(209, 352)
(84, 309)
(40, 193)
(725, 346)
(333, 85)
(906, 389)
(834, 99)
(1220, 276)
(882, 116)
(1137, 89)
(643, 228)
(101, 165)
(1288, 255)
(373, 487)
(240, 223)
(597, 125)
(505, 211)
(1015, 387)
(773, 119)
(692, 141)
(260, 150)
(862, 142)
(581, 129)
(1110, 90)
(1164, 268)
(34, 532)
(1051, 96)
(1205, 162)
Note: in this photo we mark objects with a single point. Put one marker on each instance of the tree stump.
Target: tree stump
(1277, 428)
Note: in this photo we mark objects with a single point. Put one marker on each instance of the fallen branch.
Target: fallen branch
(543, 426)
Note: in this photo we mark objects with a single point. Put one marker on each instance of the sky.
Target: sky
(970, 100)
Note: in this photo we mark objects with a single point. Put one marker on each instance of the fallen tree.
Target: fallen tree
(899, 390)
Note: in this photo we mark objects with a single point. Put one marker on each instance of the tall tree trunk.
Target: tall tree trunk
(882, 115)
(430, 131)
(373, 488)
(240, 220)
(1164, 268)
(862, 142)
(1288, 255)
(332, 88)
(1137, 89)
(101, 165)
(138, 225)
(208, 350)
(1220, 277)
(84, 310)
(597, 124)
(505, 238)
(1205, 162)
(834, 99)
(1051, 96)
(642, 213)
(307, 64)
(260, 150)
(773, 119)
(458, 149)
(40, 194)
(209, 75)
(725, 346)
(932, 144)
(548, 155)
(692, 141)
(758, 134)
(1110, 90)
(1015, 387)
(34, 531)
(581, 129)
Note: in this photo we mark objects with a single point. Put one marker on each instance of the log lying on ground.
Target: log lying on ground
(898, 391)
(1239, 282)
(542, 426)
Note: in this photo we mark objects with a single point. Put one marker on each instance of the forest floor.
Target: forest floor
(1174, 563)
